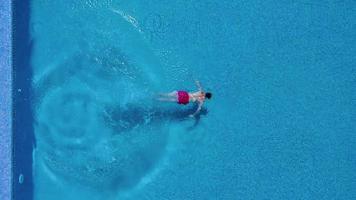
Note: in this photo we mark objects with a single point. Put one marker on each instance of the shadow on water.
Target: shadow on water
(23, 135)
(125, 119)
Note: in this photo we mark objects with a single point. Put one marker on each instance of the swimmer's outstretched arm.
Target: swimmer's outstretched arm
(199, 86)
(198, 110)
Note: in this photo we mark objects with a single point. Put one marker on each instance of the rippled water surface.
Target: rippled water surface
(280, 124)
(95, 124)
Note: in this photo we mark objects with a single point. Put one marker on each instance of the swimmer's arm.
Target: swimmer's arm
(198, 110)
(199, 86)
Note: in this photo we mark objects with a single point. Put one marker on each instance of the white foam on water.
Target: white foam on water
(128, 18)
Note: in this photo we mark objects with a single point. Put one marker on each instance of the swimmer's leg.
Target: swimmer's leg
(171, 94)
(167, 99)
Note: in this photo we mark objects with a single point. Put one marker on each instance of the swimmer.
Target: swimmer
(184, 97)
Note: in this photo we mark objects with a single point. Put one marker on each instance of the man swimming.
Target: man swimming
(184, 97)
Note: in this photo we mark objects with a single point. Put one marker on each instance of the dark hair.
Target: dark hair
(208, 95)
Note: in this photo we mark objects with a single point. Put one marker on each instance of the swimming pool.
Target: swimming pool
(280, 124)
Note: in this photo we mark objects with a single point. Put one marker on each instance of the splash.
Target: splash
(128, 18)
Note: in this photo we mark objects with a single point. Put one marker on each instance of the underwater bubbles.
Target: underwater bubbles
(21, 178)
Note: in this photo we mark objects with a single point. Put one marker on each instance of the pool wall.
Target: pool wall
(15, 92)
(22, 118)
(5, 99)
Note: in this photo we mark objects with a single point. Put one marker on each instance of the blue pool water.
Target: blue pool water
(280, 125)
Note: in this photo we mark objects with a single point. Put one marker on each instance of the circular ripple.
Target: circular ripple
(91, 125)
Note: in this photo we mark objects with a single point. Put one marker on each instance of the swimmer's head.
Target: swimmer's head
(208, 95)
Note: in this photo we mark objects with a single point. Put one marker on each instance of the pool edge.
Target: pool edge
(6, 99)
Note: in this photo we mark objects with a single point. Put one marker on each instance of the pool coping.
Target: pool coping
(5, 99)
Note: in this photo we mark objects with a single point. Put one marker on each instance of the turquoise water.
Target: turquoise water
(280, 124)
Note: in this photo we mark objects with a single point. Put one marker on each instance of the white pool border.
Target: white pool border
(5, 99)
